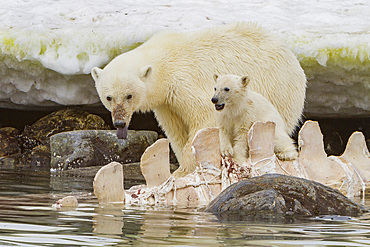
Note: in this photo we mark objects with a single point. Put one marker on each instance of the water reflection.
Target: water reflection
(108, 220)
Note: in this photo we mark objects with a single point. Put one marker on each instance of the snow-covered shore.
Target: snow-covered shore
(47, 48)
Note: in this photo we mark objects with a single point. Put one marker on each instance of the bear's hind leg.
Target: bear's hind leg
(188, 162)
(284, 147)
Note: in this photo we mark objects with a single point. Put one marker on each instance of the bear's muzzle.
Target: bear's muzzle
(219, 107)
(119, 122)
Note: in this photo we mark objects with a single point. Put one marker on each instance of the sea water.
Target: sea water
(27, 218)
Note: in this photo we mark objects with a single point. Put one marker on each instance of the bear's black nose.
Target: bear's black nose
(119, 124)
(214, 100)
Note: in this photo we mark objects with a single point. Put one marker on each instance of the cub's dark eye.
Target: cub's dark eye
(215, 89)
(227, 89)
(129, 96)
(109, 98)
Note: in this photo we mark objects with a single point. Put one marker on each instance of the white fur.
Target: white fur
(179, 85)
(242, 108)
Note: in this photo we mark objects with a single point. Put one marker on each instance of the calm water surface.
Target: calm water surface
(27, 219)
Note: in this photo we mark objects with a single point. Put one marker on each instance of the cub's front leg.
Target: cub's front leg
(226, 147)
(241, 148)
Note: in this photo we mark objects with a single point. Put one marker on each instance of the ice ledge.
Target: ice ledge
(338, 87)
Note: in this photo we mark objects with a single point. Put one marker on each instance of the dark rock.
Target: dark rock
(97, 147)
(275, 196)
(31, 149)
(36, 159)
(57, 122)
(9, 141)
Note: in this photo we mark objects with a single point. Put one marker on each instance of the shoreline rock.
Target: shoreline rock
(32, 149)
(278, 196)
(96, 147)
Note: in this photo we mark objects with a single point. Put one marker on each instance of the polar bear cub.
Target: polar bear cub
(238, 107)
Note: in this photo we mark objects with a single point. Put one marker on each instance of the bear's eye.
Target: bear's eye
(227, 89)
(215, 89)
(109, 98)
(129, 96)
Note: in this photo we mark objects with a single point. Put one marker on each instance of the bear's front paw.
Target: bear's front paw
(227, 151)
(287, 155)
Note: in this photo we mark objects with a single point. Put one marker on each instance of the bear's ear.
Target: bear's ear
(215, 77)
(95, 72)
(145, 71)
(245, 81)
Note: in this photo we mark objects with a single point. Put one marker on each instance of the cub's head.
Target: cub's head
(229, 89)
(121, 91)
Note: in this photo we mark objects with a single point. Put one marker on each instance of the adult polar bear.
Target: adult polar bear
(172, 74)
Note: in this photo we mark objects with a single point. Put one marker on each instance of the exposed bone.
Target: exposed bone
(261, 138)
(313, 158)
(206, 149)
(262, 158)
(155, 163)
(108, 183)
(195, 189)
(233, 172)
(357, 154)
(356, 163)
(155, 166)
(66, 202)
(348, 173)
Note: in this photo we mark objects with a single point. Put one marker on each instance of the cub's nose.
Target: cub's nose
(214, 100)
(119, 124)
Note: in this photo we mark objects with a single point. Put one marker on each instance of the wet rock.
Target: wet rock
(9, 141)
(57, 122)
(96, 147)
(36, 159)
(275, 196)
(31, 149)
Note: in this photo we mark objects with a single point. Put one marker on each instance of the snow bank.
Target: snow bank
(47, 48)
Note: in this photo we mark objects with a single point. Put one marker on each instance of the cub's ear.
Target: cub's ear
(95, 72)
(245, 81)
(145, 71)
(215, 77)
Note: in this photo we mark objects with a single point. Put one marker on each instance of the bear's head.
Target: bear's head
(228, 90)
(121, 91)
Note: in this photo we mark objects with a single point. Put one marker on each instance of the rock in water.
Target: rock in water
(274, 196)
(96, 147)
(66, 202)
(57, 122)
(31, 149)
(9, 143)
